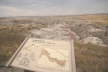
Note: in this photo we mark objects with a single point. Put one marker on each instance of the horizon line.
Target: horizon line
(56, 15)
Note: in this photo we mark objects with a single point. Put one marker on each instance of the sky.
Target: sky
(51, 7)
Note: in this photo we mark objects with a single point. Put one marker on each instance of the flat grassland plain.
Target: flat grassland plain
(91, 56)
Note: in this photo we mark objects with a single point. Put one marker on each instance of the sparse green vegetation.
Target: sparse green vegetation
(9, 42)
(91, 58)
